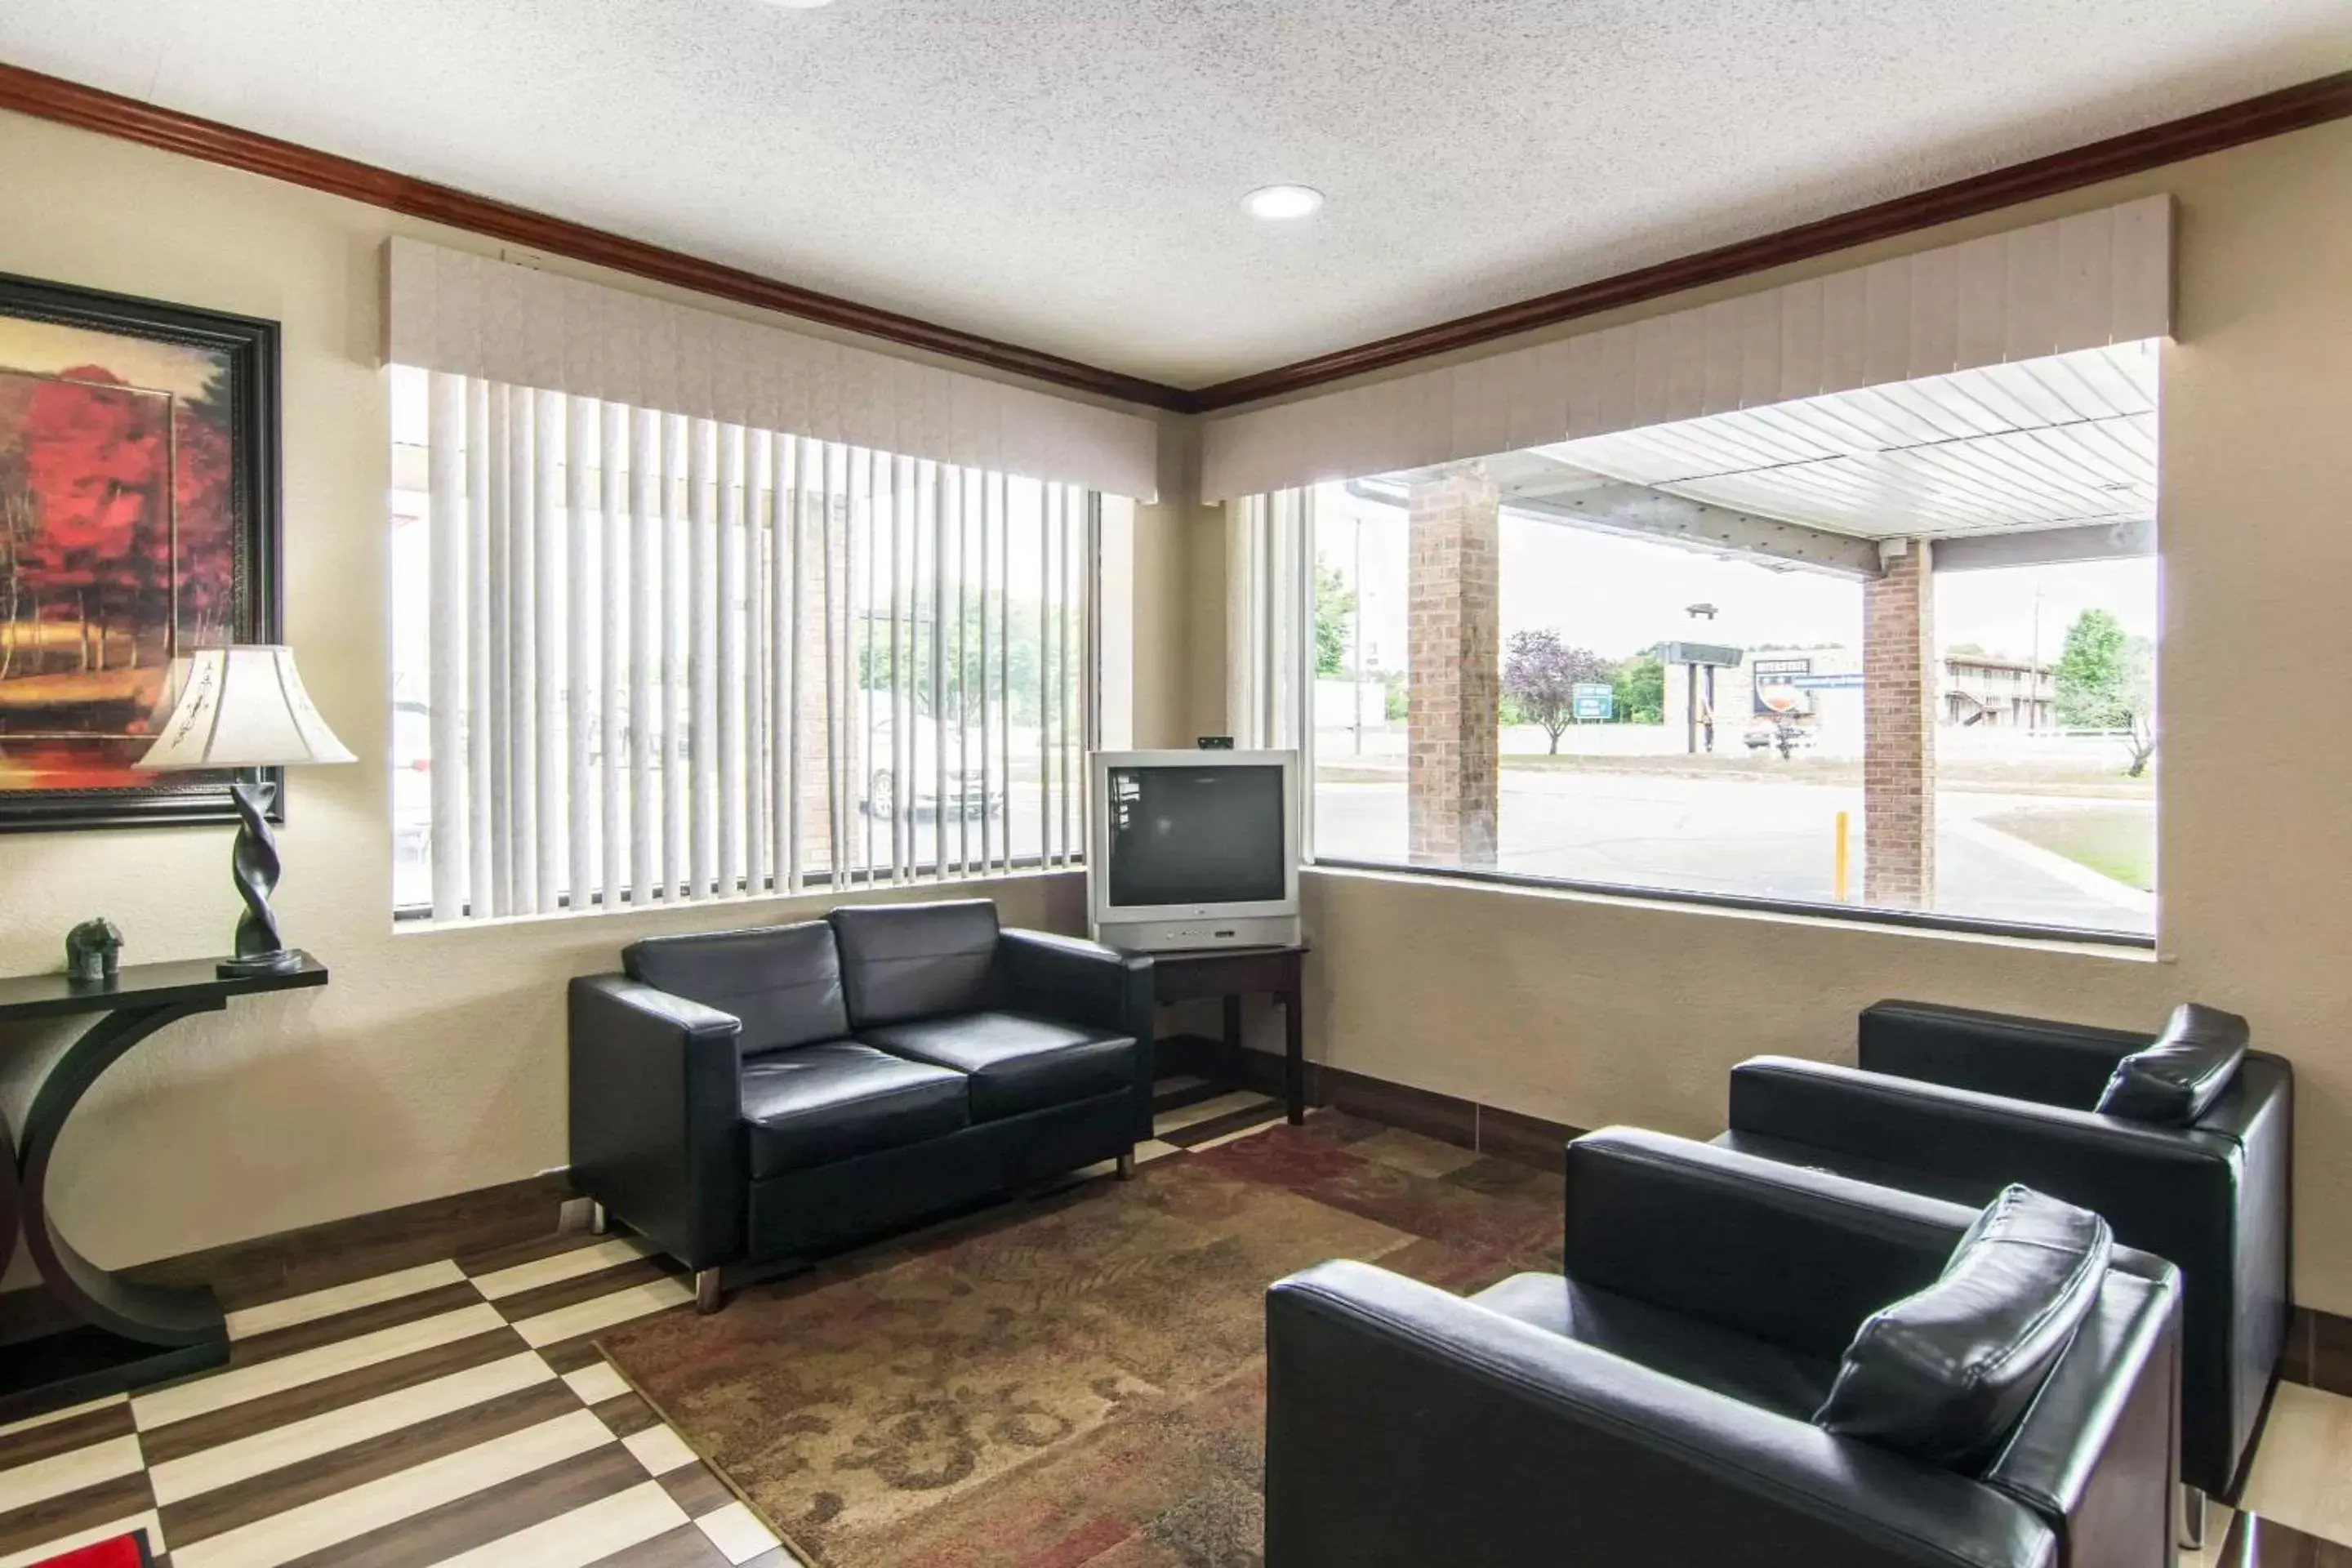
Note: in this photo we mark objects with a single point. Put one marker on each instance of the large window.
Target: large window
(638, 657)
(1887, 651)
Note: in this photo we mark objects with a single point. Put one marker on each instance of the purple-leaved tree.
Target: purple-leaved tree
(1540, 674)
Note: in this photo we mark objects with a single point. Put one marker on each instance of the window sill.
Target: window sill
(2127, 946)
(416, 920)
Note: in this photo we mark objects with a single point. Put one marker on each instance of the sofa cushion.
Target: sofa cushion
(815, 1104)
(1016, 1062)
(1754, 1372)
(783, 981)
(1944, 1374)
(2177, 1078)
(917, 961)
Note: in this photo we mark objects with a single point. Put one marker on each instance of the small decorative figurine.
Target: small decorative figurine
(93, 952)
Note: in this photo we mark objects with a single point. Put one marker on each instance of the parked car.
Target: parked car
(961, 789)
(1788, 735)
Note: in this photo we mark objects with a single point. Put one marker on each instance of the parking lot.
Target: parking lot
(1752, 835)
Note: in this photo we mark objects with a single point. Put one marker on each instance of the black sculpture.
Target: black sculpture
(93, 952)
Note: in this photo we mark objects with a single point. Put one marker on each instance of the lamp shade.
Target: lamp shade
(242, 706)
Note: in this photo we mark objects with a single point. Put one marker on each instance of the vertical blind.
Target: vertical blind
(1269, 618)
(670, 657)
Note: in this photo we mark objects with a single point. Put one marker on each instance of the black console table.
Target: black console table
(131, 1334)
(1230, 972)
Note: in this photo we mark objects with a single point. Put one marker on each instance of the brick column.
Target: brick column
(1898, 720)
(1455, 669)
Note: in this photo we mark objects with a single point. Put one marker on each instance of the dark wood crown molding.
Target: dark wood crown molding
(2271, 114)
(70, 103)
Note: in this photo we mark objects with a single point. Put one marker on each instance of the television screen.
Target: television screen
(1196, 836)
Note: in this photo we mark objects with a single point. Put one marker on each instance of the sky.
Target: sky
(1619, 596)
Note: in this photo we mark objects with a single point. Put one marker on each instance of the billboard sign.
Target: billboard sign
(1591, 702)
(1776, 683)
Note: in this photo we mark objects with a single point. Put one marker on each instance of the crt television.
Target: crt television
(1194, 849)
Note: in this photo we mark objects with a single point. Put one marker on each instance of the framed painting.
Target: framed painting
(138, 488)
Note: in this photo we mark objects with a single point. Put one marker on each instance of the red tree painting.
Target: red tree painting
(117, 549)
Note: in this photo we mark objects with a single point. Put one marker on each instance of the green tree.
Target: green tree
(1399, 706)
(1335, 615)
(1640, 687)
(1014, 660)
(2105, 680)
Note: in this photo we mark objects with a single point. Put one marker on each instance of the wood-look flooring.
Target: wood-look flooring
(452, 1412)
(457, 1412)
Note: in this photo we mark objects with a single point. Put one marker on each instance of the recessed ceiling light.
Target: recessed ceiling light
(1279, 202)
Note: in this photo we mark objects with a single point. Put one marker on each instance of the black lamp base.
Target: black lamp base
(253, 863)
(285, 960)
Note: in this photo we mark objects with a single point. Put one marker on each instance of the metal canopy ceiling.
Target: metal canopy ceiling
(2065, 442)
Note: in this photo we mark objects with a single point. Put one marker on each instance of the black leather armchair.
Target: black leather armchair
(1652, 1403)
(1957, 1103)
(741, 1098)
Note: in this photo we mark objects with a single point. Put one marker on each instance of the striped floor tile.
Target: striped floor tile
(399, 1421)
(456, 1413)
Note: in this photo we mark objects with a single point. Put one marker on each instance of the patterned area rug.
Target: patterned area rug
(1077, 1380)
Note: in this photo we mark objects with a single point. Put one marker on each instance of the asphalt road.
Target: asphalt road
(1758, 837)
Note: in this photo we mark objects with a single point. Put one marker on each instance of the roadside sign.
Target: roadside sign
(1591, 702)
(1698, 652)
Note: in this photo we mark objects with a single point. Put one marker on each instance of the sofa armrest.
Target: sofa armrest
(1993, 1053)
(1084, 982)
(2256, 1114)
(2098, 1448)
(1777, 1251)
(1076, 981)
(656, 1111)
(1407, 1426)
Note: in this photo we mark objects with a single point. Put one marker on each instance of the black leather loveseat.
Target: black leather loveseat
(1685, 1392)
(1955, 1103)
(744, 1097)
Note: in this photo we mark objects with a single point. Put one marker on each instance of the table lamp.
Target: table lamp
(244, 707)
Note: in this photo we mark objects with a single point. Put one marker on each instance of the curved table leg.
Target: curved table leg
(137, 1333)
(12, 1206)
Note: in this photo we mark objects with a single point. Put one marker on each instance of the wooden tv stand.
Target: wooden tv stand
(1230, 972)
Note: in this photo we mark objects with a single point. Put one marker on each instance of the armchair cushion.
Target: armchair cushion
(1016, 1063)
(1752, 1370)
(1944, 1376)
(783, 981)
(917, 961)
(2176, 1080)
(833, 1101)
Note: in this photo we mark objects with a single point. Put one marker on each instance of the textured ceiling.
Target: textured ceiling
(1067, 174)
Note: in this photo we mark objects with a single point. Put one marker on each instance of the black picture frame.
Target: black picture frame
(251, 348)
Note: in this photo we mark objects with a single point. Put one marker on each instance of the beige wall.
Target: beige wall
(1161, 599)
(434, 1062)
(1592, 1011)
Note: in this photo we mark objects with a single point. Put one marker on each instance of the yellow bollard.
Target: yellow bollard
(1844, 856)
